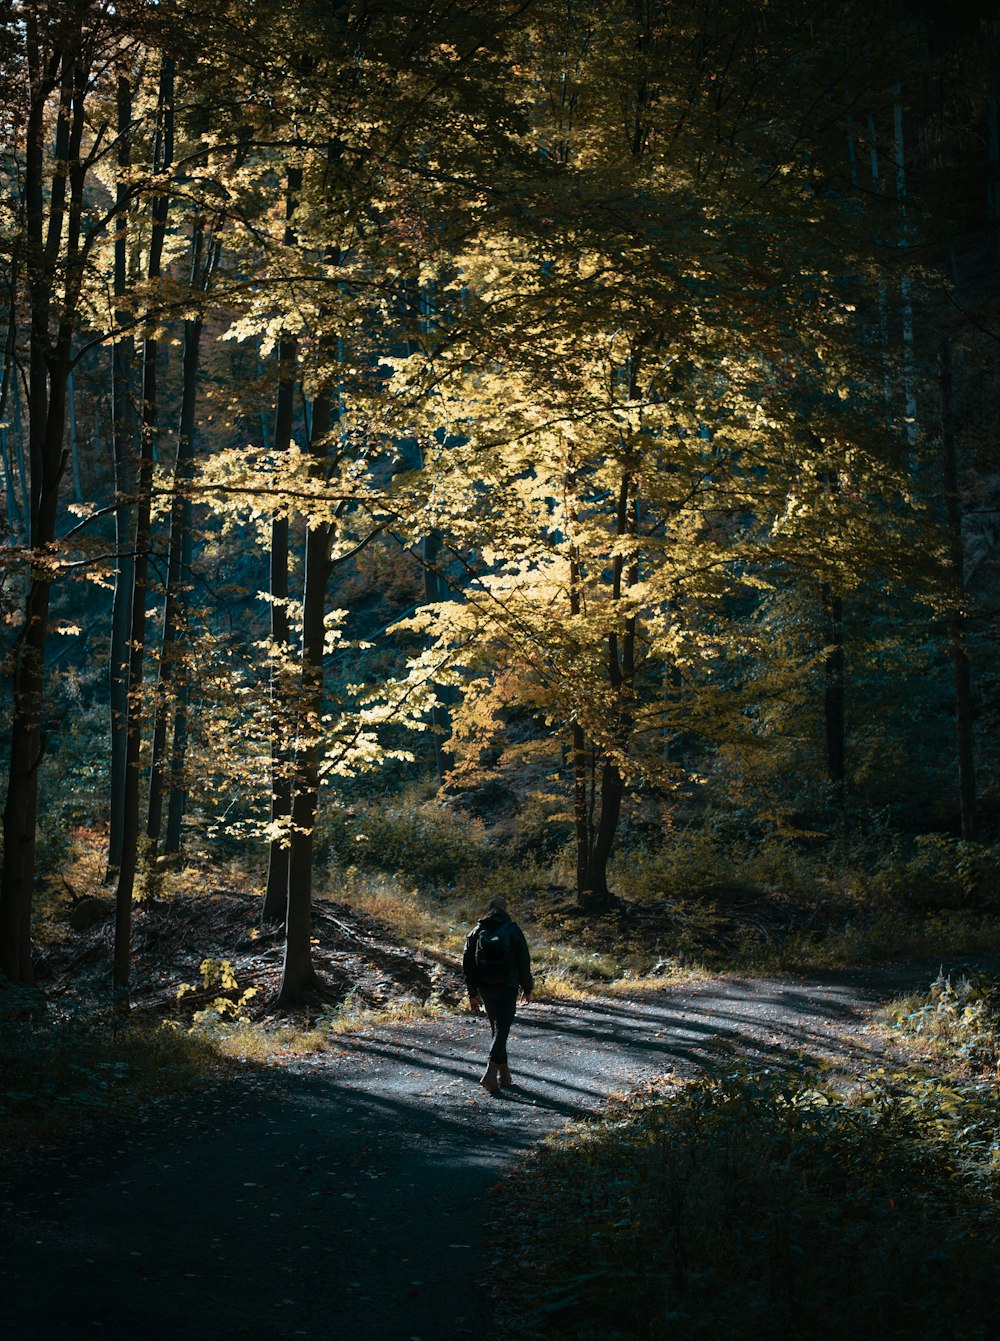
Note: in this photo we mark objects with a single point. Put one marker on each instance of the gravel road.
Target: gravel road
(349, 1198)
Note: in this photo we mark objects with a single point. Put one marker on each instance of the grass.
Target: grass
(957, 1021)
(263, 1043)
(874, 936)
(57, 1072)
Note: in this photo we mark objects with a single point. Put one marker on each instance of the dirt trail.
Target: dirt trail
(350, 1198)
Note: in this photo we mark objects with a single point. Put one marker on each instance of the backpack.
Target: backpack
(494, 955)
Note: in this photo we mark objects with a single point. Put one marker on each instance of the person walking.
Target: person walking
(497, 964)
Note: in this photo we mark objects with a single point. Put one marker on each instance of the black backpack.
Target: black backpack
(494, 954)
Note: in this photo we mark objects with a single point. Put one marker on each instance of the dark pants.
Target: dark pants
(501, 1007)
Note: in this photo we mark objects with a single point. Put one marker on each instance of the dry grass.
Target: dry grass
(957, 1020)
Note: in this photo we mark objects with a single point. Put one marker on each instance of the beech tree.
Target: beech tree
(162, 162)
(367, 96)
(652, 396)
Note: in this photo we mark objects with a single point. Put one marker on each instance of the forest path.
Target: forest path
(348, 1197)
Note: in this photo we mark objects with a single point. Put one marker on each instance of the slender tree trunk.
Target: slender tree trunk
(595, 893)
(834, 673)
(581, 808)
(833, 690)
(27, 745)
(299, 980)
(177, 797)
(905, 284)
(883, 300)
(163, 157)
(22, 468)
(8, 483)
(124, 427)
(175, 598)
(596, 829)
(275, 906)
(956, 620)
(581, 814)
(9, 374)
(441, 713)
(596, 876)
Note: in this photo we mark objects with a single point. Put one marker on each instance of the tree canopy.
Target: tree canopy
(584, 399)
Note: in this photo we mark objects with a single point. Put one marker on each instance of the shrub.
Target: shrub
(943, 872)
(747, 1206)
(958, 1018)
(419, 839)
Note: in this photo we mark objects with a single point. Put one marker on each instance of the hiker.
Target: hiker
(496, 964)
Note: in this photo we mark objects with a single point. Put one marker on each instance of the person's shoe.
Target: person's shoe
(490, 1080)
(505, 1076)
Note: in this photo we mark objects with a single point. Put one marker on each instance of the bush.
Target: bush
(418, 839)
(943, 872)
(747, 1207)
(958, 1018)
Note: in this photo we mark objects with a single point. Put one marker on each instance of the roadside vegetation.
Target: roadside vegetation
(62, 1068)
(773, 1203)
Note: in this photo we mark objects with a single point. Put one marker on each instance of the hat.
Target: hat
(497, 905)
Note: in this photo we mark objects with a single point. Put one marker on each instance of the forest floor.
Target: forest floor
(348, 1193)
(355, 954)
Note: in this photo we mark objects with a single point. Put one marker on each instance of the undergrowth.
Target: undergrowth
(958, 1020)
(706, 899)
(57, 1071)
(771, 1204)
(747, 1205)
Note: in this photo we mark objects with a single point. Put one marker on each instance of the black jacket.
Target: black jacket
(520, 973)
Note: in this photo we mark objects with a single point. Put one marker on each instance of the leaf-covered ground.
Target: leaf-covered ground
(174, 936)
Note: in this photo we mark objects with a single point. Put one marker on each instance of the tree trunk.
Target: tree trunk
(299, 980)
(177, 796)
(905, 284)
(6, 399)
(162, 158)
(596, 831)
(956, 620)
(582, 817)
(597, 893)
(833, 690)
(125, 456)
(441, 713)
(175, 598)
(50, 362)
(581, 814)
(22, 469)
(275, 906)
